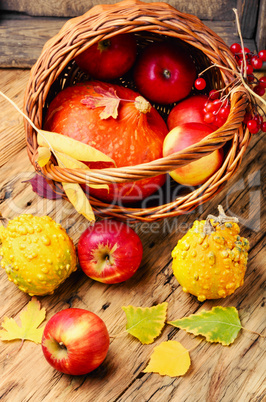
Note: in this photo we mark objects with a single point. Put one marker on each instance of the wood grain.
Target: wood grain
(207, 9)
(261, 31)
(22, 37)
(217, 373)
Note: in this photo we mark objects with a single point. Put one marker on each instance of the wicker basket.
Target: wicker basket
(56, 69)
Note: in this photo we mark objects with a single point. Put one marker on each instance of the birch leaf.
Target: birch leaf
(30, 319)
(220, 324)
(71, 147)
(146, 323)
(44, 155)
(169, 358)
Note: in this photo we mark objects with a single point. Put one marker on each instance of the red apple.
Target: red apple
(110, 58)
(75, 341)
(110, 251)
(199, 171)
(189, 110)
(164, 72)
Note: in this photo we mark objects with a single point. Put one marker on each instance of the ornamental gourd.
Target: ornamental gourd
(37, 253)
(210, 260)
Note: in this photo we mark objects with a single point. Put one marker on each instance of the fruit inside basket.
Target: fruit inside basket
(63, 96)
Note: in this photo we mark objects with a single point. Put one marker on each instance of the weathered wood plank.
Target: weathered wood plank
(261, 31)
(248, 16)
(12, 135)
(208, 9)
(22, 38)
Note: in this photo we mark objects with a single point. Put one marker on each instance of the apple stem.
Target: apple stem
(104, 44)
(166, 73)
(62, 345)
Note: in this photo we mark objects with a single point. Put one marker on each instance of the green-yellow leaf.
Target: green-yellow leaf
(71, 147)
(30, 319)
(220, 324)
(44, 155)
(145, 323)
(169, 358)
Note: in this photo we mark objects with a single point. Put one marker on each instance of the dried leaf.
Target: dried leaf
(78, 199)
(107, 99)
(71, 147)
(220, 324)
(169, 358)
(41, 187)
(30, 318)
(44, 155)
(145, 323)
(71, 163)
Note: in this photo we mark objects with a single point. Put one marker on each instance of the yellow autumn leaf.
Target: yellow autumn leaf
(44, 155)
(169, 358)
(71, 163)
(78, 199)
(71, 147)
(30, 319)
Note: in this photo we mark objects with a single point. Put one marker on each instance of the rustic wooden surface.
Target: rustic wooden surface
(207, 9)
(26, 26)
(217, 373)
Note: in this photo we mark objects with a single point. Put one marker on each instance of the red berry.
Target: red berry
(263, 126)
(209, 107)
(224, 112)
(209, 117)
(219, 121)
(235, 48)
(259, 119)
(200, 83)
(252, 126)
(256, 62)
(213, 94)
(246, 50)
(259, 90)
(216, 105)
(249, 69)
(262, 82)
(262, 55)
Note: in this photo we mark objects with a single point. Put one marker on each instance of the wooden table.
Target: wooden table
(217, 373)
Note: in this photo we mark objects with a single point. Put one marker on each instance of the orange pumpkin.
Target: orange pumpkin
(135, 136)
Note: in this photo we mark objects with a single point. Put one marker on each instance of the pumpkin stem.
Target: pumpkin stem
(142, 105)
(220, 219)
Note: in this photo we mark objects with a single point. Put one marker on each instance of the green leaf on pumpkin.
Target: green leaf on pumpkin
(146, 323)
(220, 324)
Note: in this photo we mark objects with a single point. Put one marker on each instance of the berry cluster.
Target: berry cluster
(216, 110)
(253, 62)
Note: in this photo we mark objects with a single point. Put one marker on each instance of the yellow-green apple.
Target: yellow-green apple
(110, 251)
(75, 341)
(196, 172)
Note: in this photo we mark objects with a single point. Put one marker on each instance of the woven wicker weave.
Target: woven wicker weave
(55, 69)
